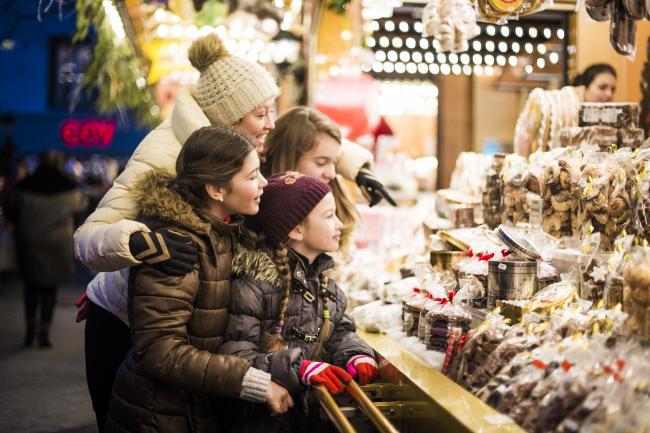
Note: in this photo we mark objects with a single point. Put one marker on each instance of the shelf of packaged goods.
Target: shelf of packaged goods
(456, 409)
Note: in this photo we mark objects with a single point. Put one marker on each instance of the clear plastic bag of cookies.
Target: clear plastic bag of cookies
(636, 293)
(515, 176)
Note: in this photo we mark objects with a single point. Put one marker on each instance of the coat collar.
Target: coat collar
(157, 200)
(187, 116)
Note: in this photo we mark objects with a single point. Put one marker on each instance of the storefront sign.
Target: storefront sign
(87, 133)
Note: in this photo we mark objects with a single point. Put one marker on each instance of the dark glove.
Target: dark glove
(168, 251)
(371, 188)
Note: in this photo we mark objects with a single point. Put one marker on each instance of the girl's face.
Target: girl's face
(601, 89)
(321, 232)
(243, 196)
(320, 160)
(258, 123)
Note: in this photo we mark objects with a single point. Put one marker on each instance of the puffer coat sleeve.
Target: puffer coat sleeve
(344, 343)
(161, 339)
(251, 307)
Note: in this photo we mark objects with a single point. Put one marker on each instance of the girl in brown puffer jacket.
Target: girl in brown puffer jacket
(169, 379)
(286, 315)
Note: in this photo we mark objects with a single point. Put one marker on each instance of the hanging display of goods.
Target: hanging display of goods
(511, 279)
(506, 6)
(516, 243)
(446, 260)
(499, 11)
(452, 240)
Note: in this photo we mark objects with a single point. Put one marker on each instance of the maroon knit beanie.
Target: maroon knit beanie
(286, 202)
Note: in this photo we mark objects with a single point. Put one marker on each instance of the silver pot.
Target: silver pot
(511, 279)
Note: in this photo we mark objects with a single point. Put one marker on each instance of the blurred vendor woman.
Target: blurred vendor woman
(599, 82)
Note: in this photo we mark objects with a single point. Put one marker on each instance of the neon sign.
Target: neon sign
(87, 133)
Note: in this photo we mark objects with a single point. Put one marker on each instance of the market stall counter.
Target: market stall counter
(451, 408)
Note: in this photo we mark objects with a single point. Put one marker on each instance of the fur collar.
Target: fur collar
(256, 264)
(156, 200)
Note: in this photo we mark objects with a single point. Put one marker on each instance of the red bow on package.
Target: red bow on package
(447, 300)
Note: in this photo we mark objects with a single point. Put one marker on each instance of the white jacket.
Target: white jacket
(102, 242)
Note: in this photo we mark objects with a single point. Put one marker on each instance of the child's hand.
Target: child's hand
(320, 373)
(363, 366)
(278, 399)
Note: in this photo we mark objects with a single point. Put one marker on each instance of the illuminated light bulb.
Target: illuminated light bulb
(464, 58)
(547, 33)
(434, 69)
(429, 57)
(541, 48)
(512, 61)
(489, 45)
(411, 68)
(377, 67)
(445, 69)
(541, 63)
(346, 35)
(476, 45)
(453, 58)
(467, 70)
(505, 31)
(371, 42)
(478, 70)
(489, 60)
(162, 31)
(388, 67)
(410, 43)
(365, 68)
(456, 69)
(441, 58)
(477, 59)
(417, 57)
(397, 42)
(249, 33)
(403, 26)
(560, 34)
(334, 70)
(400, 68)
(503, 47)
(191, 32)
(554, 57)
(384, 42)
(529, 48)
(392, 56)
(389, 26)
(501, 60)
(422, 68)
(515, 47)
(159, 15)
(418, 27)
(379, 55)
(491, 30)
(519, 32)
(489, 70)
(265, 57)
(532, 32)
(528, 69)
(404, 56)
(424, 44)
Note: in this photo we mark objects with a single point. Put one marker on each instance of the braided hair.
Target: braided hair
(274, 342)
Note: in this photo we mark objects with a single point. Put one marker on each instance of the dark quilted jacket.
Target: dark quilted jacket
(255, 299)
(168, 380)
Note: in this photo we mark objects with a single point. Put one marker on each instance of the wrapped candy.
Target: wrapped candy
(452, 23)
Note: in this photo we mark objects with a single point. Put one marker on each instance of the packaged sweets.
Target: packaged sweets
(617, 115)
(515, 177)
(636, 293)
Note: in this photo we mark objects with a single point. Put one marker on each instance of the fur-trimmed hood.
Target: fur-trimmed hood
(256, 264)
(155, 199)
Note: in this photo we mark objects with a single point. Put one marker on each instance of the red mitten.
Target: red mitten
(321, 373)
(363, 366)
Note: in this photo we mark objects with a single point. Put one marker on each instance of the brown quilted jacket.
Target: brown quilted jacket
(170, 378)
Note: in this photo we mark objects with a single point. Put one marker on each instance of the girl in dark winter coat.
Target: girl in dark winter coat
(169, 380)
(286, 315)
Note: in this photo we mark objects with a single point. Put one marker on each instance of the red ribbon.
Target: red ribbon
(227, 219)
(566, 365)
(485, 257)
(539, 364)
(447, 300)
(470, 253)
(505, 253)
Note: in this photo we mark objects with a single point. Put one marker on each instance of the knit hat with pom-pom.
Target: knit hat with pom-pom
(229, 87)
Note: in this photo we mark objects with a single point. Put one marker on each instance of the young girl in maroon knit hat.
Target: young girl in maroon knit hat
(286, 315)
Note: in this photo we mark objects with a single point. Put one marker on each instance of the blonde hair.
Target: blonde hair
(273, 342)
(295, 134)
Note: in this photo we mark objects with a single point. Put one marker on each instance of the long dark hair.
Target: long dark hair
(590, 74)
(212, 155)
